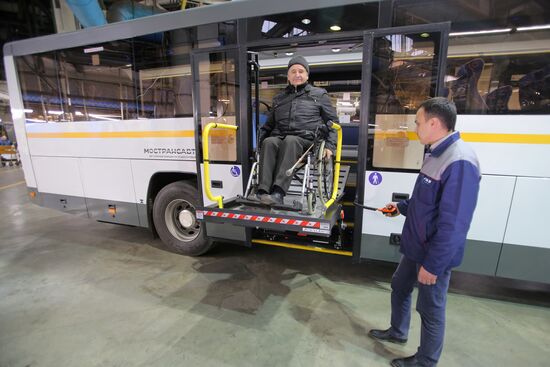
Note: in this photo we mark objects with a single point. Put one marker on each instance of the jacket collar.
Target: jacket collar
(443, 145)
(302, 87)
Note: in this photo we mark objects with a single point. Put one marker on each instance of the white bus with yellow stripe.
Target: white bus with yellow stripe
(109, 119)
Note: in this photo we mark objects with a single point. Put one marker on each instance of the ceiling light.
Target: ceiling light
(534, 28)
(487, 31)
(335, 50)
(424, 35)
(54, 112)
(28, 110)
(289, 53)
(306, 21)
(335, 28)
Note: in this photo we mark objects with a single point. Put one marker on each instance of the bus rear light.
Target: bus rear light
(32, 194)
(112, 210)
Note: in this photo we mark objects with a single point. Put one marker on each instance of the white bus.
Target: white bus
(109, 121)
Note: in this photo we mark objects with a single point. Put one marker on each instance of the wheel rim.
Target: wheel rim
(181, 221)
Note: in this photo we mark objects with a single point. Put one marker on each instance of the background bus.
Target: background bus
(111, 118)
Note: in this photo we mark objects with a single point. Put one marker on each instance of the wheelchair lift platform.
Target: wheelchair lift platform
(288, 217)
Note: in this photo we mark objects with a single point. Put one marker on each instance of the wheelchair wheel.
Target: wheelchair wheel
(325, 169)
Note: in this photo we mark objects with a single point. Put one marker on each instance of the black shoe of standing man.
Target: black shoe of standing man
(385, 335)
(406, 362)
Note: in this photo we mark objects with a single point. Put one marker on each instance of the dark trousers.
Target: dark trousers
(430, 304)
(277, 155)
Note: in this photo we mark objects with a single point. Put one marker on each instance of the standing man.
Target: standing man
(297, 114)
(439, 214)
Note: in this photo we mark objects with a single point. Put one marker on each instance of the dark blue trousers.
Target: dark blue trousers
(430, 304)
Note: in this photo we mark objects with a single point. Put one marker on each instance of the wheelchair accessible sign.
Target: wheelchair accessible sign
(375, 178)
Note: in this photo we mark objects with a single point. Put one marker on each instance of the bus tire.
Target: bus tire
(174, 217)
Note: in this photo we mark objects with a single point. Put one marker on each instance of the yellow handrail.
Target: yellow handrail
(205, 135)
(338, 129)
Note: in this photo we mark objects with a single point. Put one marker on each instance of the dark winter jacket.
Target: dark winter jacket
(441, 207)
(299, 111)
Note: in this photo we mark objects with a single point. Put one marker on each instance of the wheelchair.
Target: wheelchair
(311, 183)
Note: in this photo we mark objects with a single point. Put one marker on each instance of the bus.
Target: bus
(153, 122)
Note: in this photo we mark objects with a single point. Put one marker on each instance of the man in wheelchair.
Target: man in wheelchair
(297, 115)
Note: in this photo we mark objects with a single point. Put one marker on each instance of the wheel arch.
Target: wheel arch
(157, 182)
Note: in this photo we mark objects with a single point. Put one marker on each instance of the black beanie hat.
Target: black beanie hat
(299, 60)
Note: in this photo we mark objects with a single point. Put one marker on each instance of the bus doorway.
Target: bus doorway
(312, 214)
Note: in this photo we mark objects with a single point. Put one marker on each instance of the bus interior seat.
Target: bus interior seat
(497, 100)
(464, 89)
(534, 90)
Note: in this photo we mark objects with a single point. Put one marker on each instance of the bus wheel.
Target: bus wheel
(175, 220)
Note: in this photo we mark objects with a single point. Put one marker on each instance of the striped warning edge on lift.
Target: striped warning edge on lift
(262, 218)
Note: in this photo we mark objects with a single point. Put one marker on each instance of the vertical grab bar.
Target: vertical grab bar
(338, 129)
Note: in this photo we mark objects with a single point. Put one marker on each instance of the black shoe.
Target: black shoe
(258, 197)
(406, 362)
(384, 335)
(277, 197)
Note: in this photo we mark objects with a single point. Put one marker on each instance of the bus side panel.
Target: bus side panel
(18, 116)
(109, 190)
(156, 139)
(511, 145)
(486, 232)
(59, 185)
(375, 227)
(526, 251)
(230, 177)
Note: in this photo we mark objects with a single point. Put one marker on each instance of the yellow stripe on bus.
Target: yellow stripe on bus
(506, 138)
(475, 137)
(114, 134)
(409, 135)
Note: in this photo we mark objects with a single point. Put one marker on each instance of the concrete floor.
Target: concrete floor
(74, 292)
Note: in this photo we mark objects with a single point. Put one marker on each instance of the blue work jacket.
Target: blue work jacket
(441, 206)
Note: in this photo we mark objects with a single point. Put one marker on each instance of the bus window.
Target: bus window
(402, 78)
(42, 97)
(140, 78)
(218, 91)
(497, 60)
(482, 78)
(163, 74)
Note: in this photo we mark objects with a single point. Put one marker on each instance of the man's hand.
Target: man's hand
(327, 154)
(425, 277)
(390, 210)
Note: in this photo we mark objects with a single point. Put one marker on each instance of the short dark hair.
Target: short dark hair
(441, 108)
